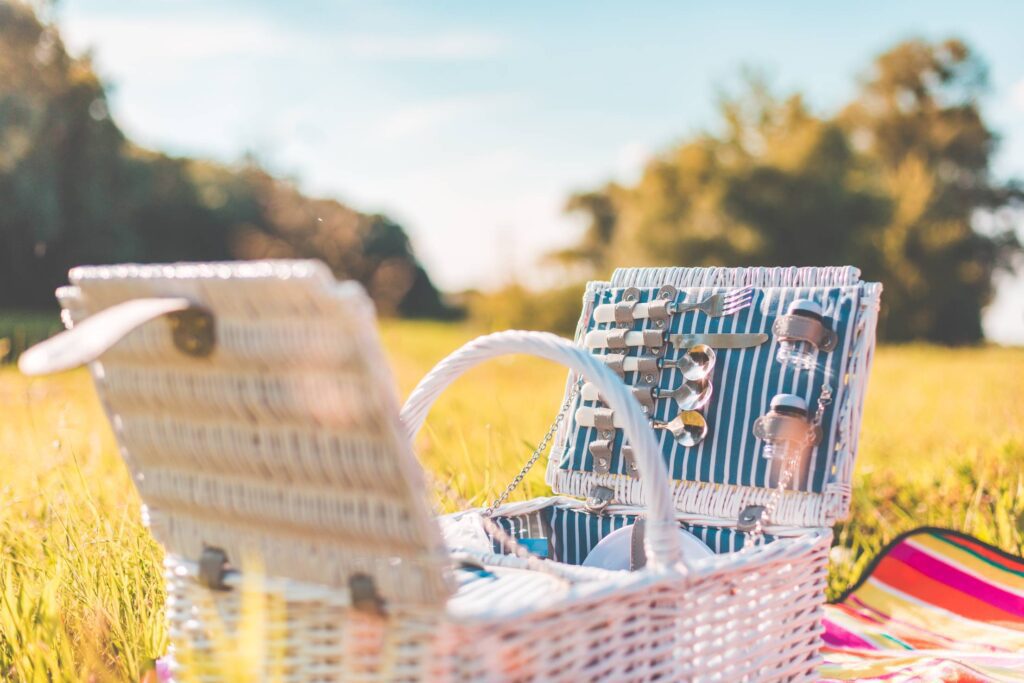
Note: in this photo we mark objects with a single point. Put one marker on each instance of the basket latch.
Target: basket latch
(193, 331)
(213, 567)
(364, 596)
(750, 516)
(600, 498)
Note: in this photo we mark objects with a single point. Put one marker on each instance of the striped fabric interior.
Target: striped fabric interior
(572, 533)
(745, 380)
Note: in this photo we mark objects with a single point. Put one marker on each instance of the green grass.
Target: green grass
(21, 329)
(80, 580)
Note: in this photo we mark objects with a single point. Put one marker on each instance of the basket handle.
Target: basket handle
(661, 535)
(89, 339)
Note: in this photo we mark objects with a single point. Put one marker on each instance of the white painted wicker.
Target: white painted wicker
(759, 617)
(284, 449)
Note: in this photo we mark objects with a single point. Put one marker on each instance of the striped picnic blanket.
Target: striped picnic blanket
(935, 605)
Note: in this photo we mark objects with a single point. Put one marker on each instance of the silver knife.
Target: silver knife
(719, 340)
(598, 339)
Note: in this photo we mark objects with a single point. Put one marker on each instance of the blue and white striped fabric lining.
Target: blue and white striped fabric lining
(573, 533)
(745, 380)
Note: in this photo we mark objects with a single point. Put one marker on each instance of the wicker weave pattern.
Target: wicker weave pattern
(718, 498)
(284, 443)
(737, 618)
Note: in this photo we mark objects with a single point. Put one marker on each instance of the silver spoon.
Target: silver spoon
(688, 428)
(696, 364)
(689, 395)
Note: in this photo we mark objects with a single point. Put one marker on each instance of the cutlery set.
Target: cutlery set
(801, 332)
(689, 427)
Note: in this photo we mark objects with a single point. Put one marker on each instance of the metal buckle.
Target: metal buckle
(616, 339)
(364, 596)
(193, 331)
(600, 498)
(668, 293)
(659, 310)
(802, 328)
(624, 313)
(645, 397)
(654, 339)
(615, 362)
(630, 460)
(604, 419)
(213, 567)
(750, 516)
(601, 451)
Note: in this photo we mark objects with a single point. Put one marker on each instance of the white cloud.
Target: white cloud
(419, 118)
(123, 41)
(630, 161)
(1017, 95)
(446, 46)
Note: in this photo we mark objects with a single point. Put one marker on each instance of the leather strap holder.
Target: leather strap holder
(804, 328)
(637, 554)
(601, 452)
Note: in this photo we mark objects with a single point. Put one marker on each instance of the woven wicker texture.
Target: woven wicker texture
(727, 472)
(286, 443)
(283, 444)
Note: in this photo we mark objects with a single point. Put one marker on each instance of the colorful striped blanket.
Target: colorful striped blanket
(935, 605)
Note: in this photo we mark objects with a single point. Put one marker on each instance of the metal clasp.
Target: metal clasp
(630, 460)
(213, 567)
(750, 516)
(600, 498)
(364, 596)
(601, 451)
(193, 331)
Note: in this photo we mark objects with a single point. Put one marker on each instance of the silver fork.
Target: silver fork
(717, 305)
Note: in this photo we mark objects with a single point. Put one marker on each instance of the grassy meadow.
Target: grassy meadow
(81, 581)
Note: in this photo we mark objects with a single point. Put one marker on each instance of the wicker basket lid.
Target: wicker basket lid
(281, 445)
(726, 472)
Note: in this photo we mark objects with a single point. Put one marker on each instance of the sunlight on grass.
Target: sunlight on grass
(81, 584)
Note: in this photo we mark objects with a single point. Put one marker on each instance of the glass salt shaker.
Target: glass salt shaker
(800, 353)
(786, 429)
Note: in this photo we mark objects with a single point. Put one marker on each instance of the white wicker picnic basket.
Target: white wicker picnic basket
(256, 413)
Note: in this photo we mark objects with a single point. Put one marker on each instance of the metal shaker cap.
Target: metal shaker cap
(789, 403)
(805, 307)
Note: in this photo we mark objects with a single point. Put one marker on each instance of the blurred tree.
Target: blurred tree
(918, 122)
(73, 190)
(893, 184)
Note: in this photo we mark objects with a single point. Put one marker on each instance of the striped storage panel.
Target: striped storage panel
(729, 461)
(573, 532)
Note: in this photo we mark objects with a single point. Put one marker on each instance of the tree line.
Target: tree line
(74, 190)
(898, 182)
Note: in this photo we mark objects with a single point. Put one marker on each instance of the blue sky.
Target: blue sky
(470, 122)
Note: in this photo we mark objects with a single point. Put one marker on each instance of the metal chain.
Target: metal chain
(788, 470)
(824, 400)
(496, 532)
(539, 451)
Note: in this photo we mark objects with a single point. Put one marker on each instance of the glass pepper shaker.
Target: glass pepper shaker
(786, 429)
(800, 353)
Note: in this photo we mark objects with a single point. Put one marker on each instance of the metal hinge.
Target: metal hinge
(213, 567)
(364, 596)
(600, 498)
(193, 331)
(750, 516)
